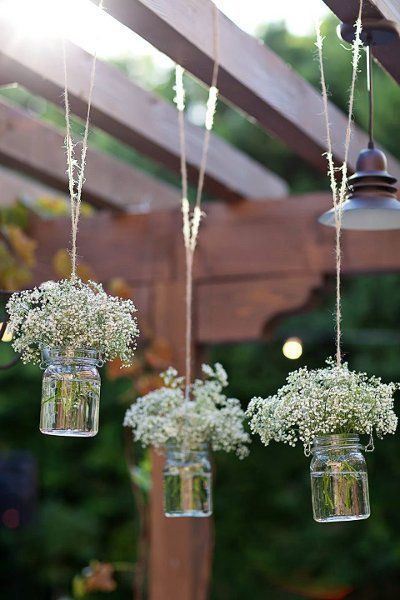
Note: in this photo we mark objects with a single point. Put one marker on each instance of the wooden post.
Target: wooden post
(180, 548)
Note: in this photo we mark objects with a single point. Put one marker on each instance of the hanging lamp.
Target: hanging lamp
(371, 202)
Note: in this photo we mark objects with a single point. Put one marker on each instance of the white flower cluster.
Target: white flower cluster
(207, 417)
(72, 315)
(331, 400)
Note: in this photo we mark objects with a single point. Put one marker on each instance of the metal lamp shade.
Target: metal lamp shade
(371, 203)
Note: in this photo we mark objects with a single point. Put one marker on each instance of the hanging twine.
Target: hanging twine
(339, 191)
(75, 168)
(191, 219)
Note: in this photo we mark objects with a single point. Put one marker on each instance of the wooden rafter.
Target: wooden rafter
(252, 77)
(133, 115)
(347, 10)
(13, 185)
(37, 149)
(254, 259)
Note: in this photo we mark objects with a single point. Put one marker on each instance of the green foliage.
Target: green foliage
(85, 507)
(273, 548)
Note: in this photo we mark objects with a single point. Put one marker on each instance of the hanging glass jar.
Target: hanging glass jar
(339, 479)
(187, 482)
(70, 392)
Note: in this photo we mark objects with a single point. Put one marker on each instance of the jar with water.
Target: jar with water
(187, 482)
(339, 479)
(70, 392)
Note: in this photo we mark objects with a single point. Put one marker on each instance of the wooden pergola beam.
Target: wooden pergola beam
(347, 11)
(248, 273)
(13, 186)
(246, 270)
(252, 77)
(134, 116)
(37, 150)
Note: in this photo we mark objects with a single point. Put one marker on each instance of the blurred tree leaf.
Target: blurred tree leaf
(62, 266)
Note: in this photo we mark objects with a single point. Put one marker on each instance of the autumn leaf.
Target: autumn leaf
(17, 256)
(159, 354)
(118, 287)
(62, 267)
(23, 246)
(147, 383)
(55, 206)
(100, 578)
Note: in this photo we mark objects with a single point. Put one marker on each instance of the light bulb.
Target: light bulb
(292, 348)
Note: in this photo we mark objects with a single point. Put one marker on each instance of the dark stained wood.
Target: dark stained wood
(37, 149)
(242, 253)
(128, 246)
(133, 115)
(252, 77)
(252, 305)
(347, 11)
(180, 549)
(256, 262)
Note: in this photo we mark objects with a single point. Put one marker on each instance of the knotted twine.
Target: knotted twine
(191, 219)
(75, 168)
(339, 190)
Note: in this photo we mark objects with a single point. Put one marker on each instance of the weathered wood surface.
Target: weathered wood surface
(37, 149)
(254, 259)
(180, 549)
(252, 77)
(132, 115)
(252, 304)
(13, 186)
(255, 262)
(347, 11)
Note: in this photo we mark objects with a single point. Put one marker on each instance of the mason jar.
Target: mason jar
(339, 479)
(187, 482)
(70, 392)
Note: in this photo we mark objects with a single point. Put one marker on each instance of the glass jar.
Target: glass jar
(187, 482)
(70, 392)
(339, 479)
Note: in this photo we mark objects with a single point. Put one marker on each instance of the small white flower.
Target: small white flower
(207, 417)
(73, 315)
(331, 400)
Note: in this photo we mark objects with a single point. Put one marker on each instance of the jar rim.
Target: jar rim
(173, 446)
(53, 353)
(336, 440)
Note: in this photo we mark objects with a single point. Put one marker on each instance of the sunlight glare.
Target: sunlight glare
(81, 22)
(52, 18)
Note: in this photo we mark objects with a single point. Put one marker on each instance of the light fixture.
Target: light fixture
(371, 202)
(292, 348)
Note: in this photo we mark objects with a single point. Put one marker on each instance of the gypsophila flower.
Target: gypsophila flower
(72, 315)
(208, 416)
(331, 400)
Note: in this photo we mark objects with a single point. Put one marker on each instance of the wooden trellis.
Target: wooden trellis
(261, 253)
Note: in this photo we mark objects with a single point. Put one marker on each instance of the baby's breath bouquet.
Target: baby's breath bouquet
(327, 410)
(71, 327)
(187, 422)
(331, 400)
(72, 315)
(207, 416)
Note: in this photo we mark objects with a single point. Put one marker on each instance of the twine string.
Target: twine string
(191, 219)
(339, 191)
(75, 168)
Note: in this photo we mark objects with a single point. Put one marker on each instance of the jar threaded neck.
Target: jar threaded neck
(57, 354)
(336, 440)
